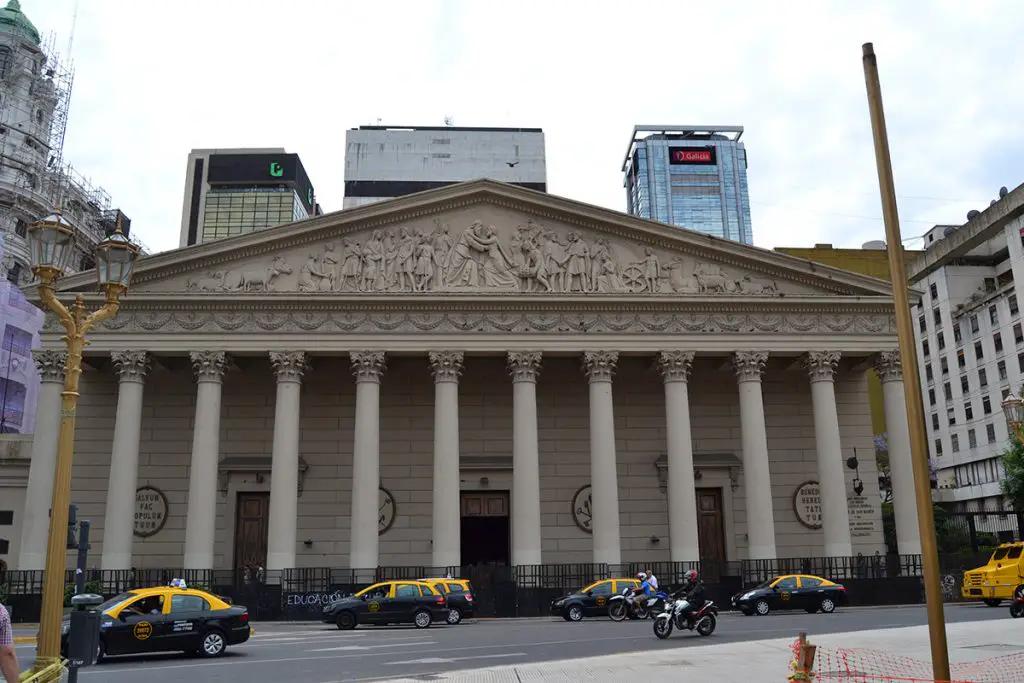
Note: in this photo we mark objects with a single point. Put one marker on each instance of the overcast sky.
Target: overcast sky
(156, 79)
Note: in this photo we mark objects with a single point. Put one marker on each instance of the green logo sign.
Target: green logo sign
(309, 195)
(276, 170)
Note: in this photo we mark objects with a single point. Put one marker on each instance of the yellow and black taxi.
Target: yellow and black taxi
(459, 593)
(591, 601)
(166, 619)
(389, 602)
(791, 591)
(1002, 577)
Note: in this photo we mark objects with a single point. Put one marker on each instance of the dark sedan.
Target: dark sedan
(390, 602)
(791, 591)
(591, 601)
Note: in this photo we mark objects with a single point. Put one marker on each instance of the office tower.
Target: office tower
(384, 162)
(693, 177)
(234, 191)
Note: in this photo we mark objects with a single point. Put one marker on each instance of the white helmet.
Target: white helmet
(641, 576)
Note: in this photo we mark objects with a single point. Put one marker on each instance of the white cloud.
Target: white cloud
(157, 79)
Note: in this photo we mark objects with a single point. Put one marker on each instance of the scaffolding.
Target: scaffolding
(62, 75)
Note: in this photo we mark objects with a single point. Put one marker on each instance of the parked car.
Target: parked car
(1002, 578)
(791, 591)
(459, 593)
(388, 602)
(591, 601)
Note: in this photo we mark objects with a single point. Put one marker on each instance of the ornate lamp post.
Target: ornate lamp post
(51, 242)
(1013, 410)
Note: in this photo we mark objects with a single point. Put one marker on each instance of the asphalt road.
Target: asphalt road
(317, 653)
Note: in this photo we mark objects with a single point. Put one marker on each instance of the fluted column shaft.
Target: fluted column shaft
(756, 472)
(599, 367)
(684, 545)
(43, 463)
(835, 522)
(119, 520)
(289, 366)
(901, 467)
(368, 368)
(526, 537)
(446, 367)
(200, 534)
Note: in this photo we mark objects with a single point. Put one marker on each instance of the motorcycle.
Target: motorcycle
(628, 605)
(703, 620)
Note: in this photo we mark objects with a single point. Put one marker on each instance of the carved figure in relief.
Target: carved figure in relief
(608, 279)
(425, 264)
(317, 274)
(749, 285)
(373, 263)
(713, 280)
(213, 282)
(405, 261)
(577, 266)
(554, 256)
(598, 253)
(677, 282)
(351, 266)
(259, 280)
(442, 245)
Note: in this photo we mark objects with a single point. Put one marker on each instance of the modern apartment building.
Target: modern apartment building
(384, 162)
(694, 177)
(234, 191)
(970, 337)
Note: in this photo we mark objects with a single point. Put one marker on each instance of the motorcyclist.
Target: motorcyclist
(691, 593)
(645, 589)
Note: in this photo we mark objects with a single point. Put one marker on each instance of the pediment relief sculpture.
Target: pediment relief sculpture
(480, 257)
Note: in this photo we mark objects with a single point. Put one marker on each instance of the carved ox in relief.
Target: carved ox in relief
(249, 280)
(713, 280)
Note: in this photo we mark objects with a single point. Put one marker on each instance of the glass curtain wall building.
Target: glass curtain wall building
(693, 177)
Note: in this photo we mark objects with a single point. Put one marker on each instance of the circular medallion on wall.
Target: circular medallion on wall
(582, 509)
(150, 511)
(385, 510)
(807, 504)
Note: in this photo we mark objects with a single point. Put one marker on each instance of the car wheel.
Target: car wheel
(213, 645)
(101, 651)
(762, 608)
(575, 613)
(1019, 593)
(993, 602)
(346, 621)
(454, 616)
(1017, 610)
(828, 605)
(421, 619)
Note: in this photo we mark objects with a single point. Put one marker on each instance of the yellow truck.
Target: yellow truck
(1001, 579)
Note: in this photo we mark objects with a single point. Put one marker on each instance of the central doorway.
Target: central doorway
(711, 533)
(252, 522)
(485, 529)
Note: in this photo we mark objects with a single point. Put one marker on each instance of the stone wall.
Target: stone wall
(328, 407)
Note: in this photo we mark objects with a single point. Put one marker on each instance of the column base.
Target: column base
(838, 550)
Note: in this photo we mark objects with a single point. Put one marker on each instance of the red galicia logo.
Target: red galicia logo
(691, 155)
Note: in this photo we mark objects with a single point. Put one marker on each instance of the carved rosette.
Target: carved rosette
(289, 366)
(131, 366)
(51, 364)
(889, 366)
(675, 365)
(368, 366)
(821, 365)
(749, 365)
(600, 365)
(209, 366)
(446, 365)
(524, 366)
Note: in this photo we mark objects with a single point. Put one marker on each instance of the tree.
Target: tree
(1013, 480)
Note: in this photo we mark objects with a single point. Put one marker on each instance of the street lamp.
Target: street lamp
(51, 242)
(1013, 410)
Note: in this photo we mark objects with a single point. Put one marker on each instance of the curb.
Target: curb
(19, 640)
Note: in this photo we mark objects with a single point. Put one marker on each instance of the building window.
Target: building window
(956, 333)
(947, 391)
(986, 405)
(979, 350)
(937, 315)
(18, 341)
(990, 432)
(1005, 393)
(935, 421)
(934, 291)
(961, 361)
(941, 339)
(993, 315)
(972, 439)
(997, 339)
(1018, 334)
(14, 273)
(965, 384)
(1012, 301)
(20, 228)
(922, 324)
(925, 349)
(951, 415)
(938, 447)
(968, 411)
(944, 365)
(928, 375)
(954, 443)
(974, 324)
(1020, 361)
(982, 378)
(931, 397)
(1001, 367)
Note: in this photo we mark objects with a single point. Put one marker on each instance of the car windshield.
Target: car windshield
(765, 584)
(115, 601)
(999, 554)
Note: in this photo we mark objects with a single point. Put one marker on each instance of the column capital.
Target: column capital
(131, 366)
(368, 366)
(675, 365)
(821, 365)
(51, 364)
(209, 366)
(446, 366)
(289, 366)
(524, 366)
(600, 365)
(749, 365)
(889, 366)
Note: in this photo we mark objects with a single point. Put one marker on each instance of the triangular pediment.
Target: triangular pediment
(484, 237)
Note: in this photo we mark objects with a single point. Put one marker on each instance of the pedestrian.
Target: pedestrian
(8, 658)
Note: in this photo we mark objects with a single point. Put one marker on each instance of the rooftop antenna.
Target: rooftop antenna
(71, 35)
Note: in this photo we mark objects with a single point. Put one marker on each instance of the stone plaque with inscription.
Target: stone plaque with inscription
(863, 520)
(807, 504)
(150, 511)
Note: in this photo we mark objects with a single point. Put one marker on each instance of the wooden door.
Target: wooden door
(252, 522)
(711, 532)
(485, 504)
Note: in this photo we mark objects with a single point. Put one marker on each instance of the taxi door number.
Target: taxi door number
(601, 600)
(373, 606)
(785, 595)
(143, 630)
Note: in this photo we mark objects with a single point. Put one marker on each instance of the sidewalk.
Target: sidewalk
(764, 661)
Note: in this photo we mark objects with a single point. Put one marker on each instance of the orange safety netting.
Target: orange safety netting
(857, 665)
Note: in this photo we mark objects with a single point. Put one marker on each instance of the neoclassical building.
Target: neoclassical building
(476, 374)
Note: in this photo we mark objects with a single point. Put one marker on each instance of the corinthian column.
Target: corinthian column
(757, 481)
(446, 367)
(526, 537)
(682, 495)
(119, 521)
(368, 367)
(901, 467)
(289, 366)
(36, 521)
(599, 367)
(202, 479)
(835, 521)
